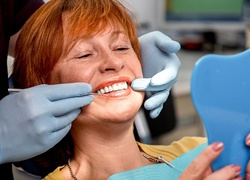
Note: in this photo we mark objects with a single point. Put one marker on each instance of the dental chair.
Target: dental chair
(220, 91)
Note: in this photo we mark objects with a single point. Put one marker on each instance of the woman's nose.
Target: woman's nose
(111, 62)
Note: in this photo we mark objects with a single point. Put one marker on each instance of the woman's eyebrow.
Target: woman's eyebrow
(117, 33)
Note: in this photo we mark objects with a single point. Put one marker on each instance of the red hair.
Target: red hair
(42, 41)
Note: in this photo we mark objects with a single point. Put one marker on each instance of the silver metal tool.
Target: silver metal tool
(13, 90)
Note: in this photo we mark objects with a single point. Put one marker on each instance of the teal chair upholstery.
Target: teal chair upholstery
(220, 91)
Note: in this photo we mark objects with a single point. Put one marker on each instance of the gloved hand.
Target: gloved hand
(35, 119)
(160, 69)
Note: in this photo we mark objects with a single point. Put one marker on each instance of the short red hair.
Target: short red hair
(41, 42)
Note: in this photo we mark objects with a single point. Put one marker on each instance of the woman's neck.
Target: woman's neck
(101, 153)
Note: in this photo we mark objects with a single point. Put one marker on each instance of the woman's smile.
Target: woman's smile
(115, 88)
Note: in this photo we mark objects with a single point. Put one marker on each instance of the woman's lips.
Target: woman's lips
(115, 87)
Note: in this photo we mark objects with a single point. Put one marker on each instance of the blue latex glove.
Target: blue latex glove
(35, 119)
(160, 69)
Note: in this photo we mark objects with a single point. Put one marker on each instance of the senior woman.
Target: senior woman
(65, 42)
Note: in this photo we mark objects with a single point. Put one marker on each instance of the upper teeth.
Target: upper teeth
(114, 87)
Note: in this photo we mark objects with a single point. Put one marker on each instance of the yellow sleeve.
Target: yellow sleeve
(173, 150)
(169, 152)
(55, 175)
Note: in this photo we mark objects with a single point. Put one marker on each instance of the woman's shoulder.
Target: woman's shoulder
(175, 149)
(56, 174)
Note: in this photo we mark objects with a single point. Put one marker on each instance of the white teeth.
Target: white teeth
(120, 86)
(102, 91)
(106, 89)
(114, 87)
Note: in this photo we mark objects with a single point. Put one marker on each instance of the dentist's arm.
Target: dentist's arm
(35, 119)
(160, 69)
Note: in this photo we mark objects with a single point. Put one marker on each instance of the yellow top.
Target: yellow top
(170, 152)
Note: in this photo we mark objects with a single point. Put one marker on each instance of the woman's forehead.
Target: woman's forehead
(73, 33)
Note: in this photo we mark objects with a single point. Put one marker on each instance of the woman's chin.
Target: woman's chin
(122, 112)
(114, 110)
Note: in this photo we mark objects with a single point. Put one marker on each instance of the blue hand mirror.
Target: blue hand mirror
(220, 90)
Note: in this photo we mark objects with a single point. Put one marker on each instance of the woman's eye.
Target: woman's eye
(121, 48)
(83, 56)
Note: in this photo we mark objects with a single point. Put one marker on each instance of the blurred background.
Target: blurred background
(202, 27)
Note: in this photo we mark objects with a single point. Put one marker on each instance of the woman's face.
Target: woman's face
(109, 64)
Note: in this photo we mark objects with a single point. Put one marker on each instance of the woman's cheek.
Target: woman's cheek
(138, 73)
(69, 75)
(135, 68)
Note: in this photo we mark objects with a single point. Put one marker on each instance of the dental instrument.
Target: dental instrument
(13, 90)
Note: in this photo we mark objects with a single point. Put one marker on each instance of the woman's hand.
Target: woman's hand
(200, 167)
